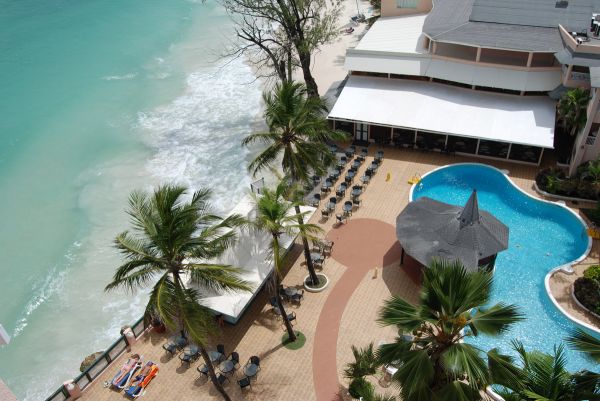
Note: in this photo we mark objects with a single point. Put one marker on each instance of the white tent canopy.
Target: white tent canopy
(432, 107)
(252, 254)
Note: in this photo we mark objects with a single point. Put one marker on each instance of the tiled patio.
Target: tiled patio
(290, 375)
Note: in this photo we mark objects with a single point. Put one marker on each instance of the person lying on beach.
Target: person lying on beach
(142, 375)
(131, 362)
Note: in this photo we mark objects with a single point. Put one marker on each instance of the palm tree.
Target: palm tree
(274, 216)
(572, 109)
(436, 363)
(586, 343)
(172, 240)
(365, 363)
(298, 133)
(541, 376)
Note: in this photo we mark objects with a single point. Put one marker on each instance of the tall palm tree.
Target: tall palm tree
(171, 243)
(540, 376)
(298, 133)
(436, 364)
(572, 109)
(274, 216)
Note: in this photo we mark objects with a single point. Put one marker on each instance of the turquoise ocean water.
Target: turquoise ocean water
(98, 97)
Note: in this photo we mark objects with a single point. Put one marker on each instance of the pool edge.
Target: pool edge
(566, 267)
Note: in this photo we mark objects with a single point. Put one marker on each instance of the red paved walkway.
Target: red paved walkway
(361, 245)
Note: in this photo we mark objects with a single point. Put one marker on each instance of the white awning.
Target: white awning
(252, 254)
(427, 106)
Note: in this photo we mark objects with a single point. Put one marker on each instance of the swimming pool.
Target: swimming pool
(542, 236)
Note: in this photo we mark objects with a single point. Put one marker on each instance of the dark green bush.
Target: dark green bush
(360, 387)
(593, 273)
(584, 184)
(587, 291)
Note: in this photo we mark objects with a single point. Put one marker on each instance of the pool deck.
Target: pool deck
(363, 270)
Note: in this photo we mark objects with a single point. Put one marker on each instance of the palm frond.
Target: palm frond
(463, 358)
(495, 320)
(586, 343)
(217, 278)
(415, 375)
(503, 371)
(397, 311)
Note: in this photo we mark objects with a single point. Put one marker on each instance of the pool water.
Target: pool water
(542, 236)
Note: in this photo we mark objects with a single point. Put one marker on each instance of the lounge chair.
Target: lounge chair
(141, 381)
(124, 375)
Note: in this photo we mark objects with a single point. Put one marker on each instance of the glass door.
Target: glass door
(362, 132)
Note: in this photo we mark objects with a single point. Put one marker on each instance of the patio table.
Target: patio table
(291, 291)
(190, 350)
(356, 192)
(327, 184)
(226, 366)
(330, 206)
(214, 356)
(365, 179)
(347, 207)
(317, 256)
(251, 370)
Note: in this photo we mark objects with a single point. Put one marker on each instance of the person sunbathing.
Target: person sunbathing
(130, 364)
(142, 375)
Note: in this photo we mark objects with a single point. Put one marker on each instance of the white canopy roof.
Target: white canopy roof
(427, 106)
(396, 34)
(252, 254)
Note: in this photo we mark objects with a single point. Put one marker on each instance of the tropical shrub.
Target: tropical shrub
(592, 272)
(585, 183)
(587, 291)
(360, 387)
(365, 363)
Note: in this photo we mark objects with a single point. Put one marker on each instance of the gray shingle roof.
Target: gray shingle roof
(542, 13)
(530, 25)
(429, 229)
(588, 60)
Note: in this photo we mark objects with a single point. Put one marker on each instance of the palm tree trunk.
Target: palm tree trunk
(284, 315)
(314, 280)
(286, 321)
(212, 374)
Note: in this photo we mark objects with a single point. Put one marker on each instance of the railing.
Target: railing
(100, 364)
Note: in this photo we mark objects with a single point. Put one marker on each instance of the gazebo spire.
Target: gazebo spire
(470, 213)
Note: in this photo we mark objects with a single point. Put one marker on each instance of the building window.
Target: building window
(407, 3)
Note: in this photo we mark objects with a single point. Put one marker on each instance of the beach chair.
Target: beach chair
(140, 382)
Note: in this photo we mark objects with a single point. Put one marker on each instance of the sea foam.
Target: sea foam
(197, 137)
